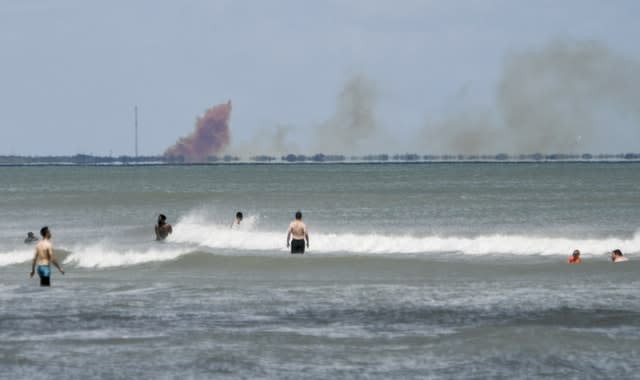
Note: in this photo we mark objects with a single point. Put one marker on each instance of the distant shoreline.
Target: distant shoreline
(149, 161)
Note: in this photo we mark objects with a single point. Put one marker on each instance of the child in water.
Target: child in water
(574, 258)
(237, 220)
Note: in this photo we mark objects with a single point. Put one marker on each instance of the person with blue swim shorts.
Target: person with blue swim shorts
(44, 257)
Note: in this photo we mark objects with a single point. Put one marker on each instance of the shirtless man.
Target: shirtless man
(44, 257)
(617, 256)
(300, 234)
(163, 229)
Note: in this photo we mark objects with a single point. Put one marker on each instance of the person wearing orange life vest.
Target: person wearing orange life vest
(574, 258)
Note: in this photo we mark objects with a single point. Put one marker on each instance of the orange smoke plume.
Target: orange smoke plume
(210, 137)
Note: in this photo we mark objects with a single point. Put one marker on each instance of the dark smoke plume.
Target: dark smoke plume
(354, 119)
(210, 136)
(276, 140)
(551, 99)
(562, 97)
(468, 131)
(352, 125)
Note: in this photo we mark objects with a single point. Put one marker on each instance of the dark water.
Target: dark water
(416, 271)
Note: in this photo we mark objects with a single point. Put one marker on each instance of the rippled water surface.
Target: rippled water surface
(414, 271)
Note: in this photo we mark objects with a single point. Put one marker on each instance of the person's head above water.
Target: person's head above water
(298, 215)
(30, 235)
(162, 219)
(574, 258)
(617, 252)
(44, 232)
(239, 215)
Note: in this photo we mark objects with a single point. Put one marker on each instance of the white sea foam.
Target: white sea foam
(102, 256)
(381, 244)
(192, 231)
(192, 234)
(16, 257)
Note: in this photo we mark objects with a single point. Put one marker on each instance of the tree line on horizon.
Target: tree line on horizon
(86, 159)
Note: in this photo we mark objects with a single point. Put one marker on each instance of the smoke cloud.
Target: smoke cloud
(211, 136)
(354, 120)
(276, 140)
(464, 129)
(267, 141)
(558, 98)
(352, 124)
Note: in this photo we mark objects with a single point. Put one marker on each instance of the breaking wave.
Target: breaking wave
(191, 235)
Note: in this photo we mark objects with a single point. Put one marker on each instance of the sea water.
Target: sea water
(414, 271)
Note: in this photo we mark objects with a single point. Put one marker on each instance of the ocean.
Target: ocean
(445, 270)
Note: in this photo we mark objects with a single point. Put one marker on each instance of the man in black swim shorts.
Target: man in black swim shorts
(298, 230)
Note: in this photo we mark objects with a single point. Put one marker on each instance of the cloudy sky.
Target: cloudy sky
(72, 71)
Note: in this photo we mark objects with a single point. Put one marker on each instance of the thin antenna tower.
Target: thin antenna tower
(135, 111)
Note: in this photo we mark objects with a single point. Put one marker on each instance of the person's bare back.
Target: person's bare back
(298, 229)
(44, 250)
(162, 229)
(44, 257)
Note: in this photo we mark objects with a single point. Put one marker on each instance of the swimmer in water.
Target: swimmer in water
(43, 258)
(163, 229)
(237, 220)
(31, 238)
(574, 258)
(617, 256)
(298, 230)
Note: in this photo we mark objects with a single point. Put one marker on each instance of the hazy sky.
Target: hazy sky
(72, 71)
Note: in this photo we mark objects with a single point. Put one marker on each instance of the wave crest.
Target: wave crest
(191, 235)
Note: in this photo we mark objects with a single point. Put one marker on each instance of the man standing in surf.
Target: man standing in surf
(298, 230)
(44, 257)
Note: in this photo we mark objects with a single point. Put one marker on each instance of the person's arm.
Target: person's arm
(33, 264)
(170, 229)
(54, 261)
(306, 235)
(288, 236)
(157, 230)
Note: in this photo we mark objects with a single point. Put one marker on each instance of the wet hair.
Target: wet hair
(239, 215)
(44, 231)
(617, 252)
(298, 215)
(576, 252)
(30, 234)
(162, 217)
